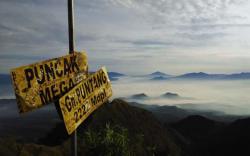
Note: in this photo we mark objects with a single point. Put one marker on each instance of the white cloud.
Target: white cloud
(147, 34)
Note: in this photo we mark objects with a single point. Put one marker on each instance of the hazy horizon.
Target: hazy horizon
(229, 96)
(150, 72)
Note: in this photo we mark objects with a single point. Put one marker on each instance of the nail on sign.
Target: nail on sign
(84, 98)
(44, 82)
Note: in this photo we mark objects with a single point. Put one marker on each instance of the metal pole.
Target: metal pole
(74, 143)
(71, 25)
(71, 50)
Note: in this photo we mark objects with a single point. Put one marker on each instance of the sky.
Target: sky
(130, 36)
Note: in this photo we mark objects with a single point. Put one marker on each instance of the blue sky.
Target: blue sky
(130, 36)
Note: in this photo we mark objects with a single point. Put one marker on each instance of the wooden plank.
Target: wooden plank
(43, 82)
(84, 98)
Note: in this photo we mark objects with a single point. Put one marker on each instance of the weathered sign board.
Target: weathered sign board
(83, 99)
(43, 82)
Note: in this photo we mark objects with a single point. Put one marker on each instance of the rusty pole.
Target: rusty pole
(71, 50)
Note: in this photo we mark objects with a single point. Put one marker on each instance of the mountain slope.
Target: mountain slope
(212, 138)
(136, 120)
(232, 140)
(197, 127)
(165, 114)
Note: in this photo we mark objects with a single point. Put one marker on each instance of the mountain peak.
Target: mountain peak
(139, 96)
(115, 74)
(195, 124)
(158, 73)
(196, 75)
(170, 95)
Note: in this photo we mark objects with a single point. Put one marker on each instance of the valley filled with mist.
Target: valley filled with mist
(228, 96)
(197, 91)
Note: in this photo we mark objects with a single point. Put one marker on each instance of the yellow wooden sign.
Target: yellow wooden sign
(84, 98)
(44, 82)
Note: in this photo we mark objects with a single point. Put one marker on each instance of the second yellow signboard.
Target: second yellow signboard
(84, 98)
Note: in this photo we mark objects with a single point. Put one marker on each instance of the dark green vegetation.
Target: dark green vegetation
(12, 147)
(123, 129)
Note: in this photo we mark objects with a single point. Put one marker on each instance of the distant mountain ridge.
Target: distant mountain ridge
(5, 79)
(202, 75)
(174, 113)
(158, 76)
(243, 75)
(196, 75)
